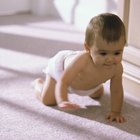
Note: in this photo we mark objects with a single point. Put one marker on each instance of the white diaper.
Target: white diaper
(55, 65)
(55, 69)
(84, 92)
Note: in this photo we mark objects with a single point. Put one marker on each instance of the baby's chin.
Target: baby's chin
(109, 66)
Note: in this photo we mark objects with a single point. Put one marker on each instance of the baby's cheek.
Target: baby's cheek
(118, 60)
(99, 60)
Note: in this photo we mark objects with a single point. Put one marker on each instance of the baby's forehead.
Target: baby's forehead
(99, 41)
(105, 46)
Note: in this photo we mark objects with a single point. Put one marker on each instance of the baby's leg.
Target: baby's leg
(98, 94)
(45, 90)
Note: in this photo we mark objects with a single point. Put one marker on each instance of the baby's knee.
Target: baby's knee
(98, 94)
(48, 102)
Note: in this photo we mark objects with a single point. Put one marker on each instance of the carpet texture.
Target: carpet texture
(26, 44)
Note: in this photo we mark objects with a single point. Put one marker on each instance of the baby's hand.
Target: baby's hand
(68, 105)
(115, 116)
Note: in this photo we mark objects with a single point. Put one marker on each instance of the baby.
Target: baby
(83, 72)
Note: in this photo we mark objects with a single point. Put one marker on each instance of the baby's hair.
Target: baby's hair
(109, 26)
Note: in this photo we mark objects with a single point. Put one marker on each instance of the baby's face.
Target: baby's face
(107, 54)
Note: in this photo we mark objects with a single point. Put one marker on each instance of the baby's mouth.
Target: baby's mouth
(108, 65)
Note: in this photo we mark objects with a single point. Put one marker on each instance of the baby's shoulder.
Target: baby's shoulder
(81, 56)
(84, 57)
(77, 58)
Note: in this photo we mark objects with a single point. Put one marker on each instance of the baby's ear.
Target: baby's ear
(86, 47)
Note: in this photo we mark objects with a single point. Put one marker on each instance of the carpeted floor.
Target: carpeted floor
(26, 44)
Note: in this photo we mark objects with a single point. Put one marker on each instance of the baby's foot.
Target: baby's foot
(37, 84)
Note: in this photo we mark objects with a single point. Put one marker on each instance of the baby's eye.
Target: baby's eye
(117, 53)
(103, 53)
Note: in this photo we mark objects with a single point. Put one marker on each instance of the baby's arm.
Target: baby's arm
(65, 81)
(62, 96)
(116, 89)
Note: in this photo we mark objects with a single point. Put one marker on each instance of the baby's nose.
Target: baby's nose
(109, 60)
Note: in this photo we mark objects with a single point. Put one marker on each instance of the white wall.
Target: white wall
(13, 6)
(134, 22)
(77, 12)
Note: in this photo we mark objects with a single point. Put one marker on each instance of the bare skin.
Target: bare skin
(90, 68)
(45, 90)
(38, 85)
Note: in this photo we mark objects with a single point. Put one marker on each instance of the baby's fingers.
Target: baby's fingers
(110, 118)
(120, 119)
(68, 105)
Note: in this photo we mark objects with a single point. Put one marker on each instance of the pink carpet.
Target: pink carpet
(26, 44)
